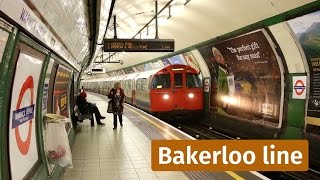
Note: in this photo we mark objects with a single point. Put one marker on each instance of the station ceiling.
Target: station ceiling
(69, 21)
(191, 22)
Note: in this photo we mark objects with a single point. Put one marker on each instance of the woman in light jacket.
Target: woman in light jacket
(116, 95)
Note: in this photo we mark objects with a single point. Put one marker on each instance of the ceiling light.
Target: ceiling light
(176, 9)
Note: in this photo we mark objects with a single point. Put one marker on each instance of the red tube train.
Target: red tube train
(176, 89)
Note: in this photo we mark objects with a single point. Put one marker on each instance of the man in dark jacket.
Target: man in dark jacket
(88, 108)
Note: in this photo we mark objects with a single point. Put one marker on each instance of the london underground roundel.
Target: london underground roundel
(24, 115)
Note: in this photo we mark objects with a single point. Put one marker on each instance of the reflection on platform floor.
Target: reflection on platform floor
(125, 153)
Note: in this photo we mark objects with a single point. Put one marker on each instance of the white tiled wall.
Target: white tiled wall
(69, 19)
(3, 40)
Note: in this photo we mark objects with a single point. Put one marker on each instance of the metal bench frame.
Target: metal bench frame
(80, 116)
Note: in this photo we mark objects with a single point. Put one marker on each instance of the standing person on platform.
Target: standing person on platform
(116, 95)
(88, 108)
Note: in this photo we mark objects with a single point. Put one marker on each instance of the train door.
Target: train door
(134, 101)
(178, 90)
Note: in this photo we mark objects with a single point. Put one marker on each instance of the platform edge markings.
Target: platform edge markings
(187, 135)
(144, 115)
(231, 173)
(155, 124)
(259, 175)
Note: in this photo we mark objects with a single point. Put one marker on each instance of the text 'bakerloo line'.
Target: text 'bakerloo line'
(230, 155)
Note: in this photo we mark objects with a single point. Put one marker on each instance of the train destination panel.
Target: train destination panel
(139, 45)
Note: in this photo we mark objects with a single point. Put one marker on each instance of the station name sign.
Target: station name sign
(138, 45)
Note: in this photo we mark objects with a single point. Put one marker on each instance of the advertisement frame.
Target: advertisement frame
(306, 68)
(61, 66)
(29, 47)
(278, 62)
(282, 73)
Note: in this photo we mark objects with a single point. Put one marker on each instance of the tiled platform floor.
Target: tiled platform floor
(103, 153)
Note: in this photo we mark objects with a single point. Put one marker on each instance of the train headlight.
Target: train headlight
(191, 95)
(166, 96)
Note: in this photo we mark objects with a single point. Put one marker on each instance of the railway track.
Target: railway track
(203, 131)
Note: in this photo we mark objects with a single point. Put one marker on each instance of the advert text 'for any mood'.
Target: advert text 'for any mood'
(230, 155)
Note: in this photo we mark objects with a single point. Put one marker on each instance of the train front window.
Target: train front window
(193, 81)
(178, 80)
(161, 81)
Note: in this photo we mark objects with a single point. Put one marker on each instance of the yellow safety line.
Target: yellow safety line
(234, 175)
(172, 135)
(231, 173)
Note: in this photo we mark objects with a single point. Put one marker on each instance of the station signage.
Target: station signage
(299, 87)
(138, 45)
(229, 155)
(23, 151)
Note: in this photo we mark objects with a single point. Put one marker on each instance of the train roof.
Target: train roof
(177, 67)
(146, 74)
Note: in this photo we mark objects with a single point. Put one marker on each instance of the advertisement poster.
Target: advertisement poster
(134, 69)
(151, 65)
(191, 61)
(140, 68)
(166, 62)
(22, 134)
(126, 70)
(61, 89)
(306, 28)
(246, 78)
(157, 65)
(129, 70)
(160, 63)
(147, 67)
(178, 59)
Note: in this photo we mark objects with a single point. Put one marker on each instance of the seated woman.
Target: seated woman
(88, 108)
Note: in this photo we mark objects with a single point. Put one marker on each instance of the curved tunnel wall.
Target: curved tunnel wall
(54, 85)
(202, 20)
(290, 106)
(287, 51)
(285, 115)
(34, 81)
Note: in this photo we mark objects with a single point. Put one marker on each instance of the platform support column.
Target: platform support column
(7, 73)
(206, 95)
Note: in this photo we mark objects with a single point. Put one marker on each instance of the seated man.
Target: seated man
(88, 108)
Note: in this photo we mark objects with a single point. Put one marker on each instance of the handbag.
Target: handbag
(110, 107)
